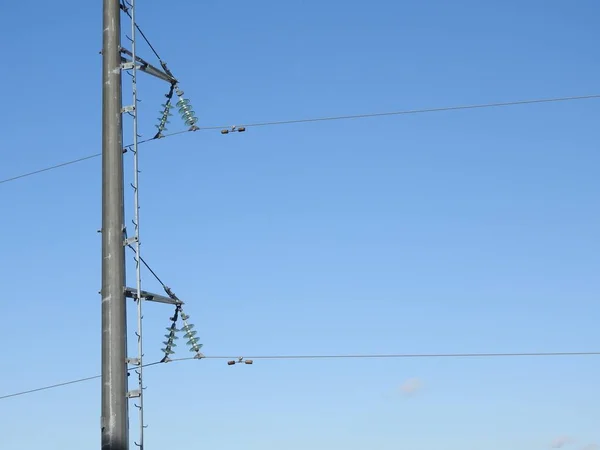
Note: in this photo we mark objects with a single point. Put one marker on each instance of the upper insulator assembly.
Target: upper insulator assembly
(164, 119)
(185, 109)
(188, 332)
(169, 343)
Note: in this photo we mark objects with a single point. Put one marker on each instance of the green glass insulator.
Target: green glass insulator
(190, 334)
(185, 110)
(189, 116)
(191, 121)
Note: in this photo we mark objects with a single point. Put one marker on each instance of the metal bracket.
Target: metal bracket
(132, 293)
(147, 67)
(133, 361)
(130, 241)
(134, 394)
(127, 65)
(126, 109)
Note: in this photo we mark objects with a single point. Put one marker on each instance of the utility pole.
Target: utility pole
(115, 363)
(114, 419)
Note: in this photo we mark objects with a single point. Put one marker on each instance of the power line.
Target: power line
(416, 111)
(66, 383)
(405, 355)
(323, 119)
(68, 163)
(322, 357)
(46, 169)
(52, 386)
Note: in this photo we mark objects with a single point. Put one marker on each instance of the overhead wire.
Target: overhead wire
(73, 161)
(405, 355)
(319, 119)
(46, 169)
(51, 386)
(322, 357)
(416, 111)
(66, 383)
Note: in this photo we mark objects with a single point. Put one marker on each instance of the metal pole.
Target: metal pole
(114, 419)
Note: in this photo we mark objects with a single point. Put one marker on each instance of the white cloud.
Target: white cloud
(591, 447)
(411, 386)
(561, 441)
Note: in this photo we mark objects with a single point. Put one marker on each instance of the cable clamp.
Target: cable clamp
(127, 65)
(130, 241)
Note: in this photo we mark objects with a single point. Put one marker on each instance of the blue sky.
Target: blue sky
(472, 231)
